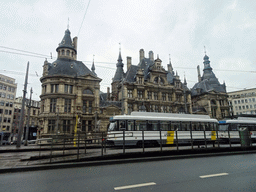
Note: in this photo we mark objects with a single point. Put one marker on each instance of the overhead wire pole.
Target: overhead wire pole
(28, 119)
(20, 132)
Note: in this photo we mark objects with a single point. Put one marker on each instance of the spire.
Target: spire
(93, 67)
(119, 57)
(185, 81)
(68, 23)
(119, 70)
(66, 41)
(169, 66)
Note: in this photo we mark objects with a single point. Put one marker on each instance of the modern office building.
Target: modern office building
(8, 89)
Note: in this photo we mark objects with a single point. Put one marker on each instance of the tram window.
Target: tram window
(185, 126)
(212, 126)
(152, 126)
(165, 125)
(223, 127)
(233, 127)
(204, 127)
(141, 126)
(130, 125)
(195, 126)
(253, 128)
(122, 125)
(175, 126)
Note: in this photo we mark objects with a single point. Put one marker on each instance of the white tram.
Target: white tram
(232, 129)
(174, 129)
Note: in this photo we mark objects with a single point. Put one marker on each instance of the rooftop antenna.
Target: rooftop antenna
(204, 50)
(169, 58)
(68, 22)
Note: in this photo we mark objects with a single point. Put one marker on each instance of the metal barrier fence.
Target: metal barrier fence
(77, 145)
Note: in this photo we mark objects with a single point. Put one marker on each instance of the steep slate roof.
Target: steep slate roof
(208, 82)
(68, 67)
(63, 66)
(119, 70)
(66, 41)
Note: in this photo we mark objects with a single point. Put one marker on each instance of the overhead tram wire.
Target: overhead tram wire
(38, 55)
(23, 51)
(84, 17)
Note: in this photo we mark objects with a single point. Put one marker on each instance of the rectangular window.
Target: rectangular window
(164, 96)
(51, 126)
(84, 106)
(83, 125)
(6, 112)
(66, 126)
(140, 94)
(130, 109)
(34, 112)
(68, 88)
(9, 88)
(89, 126)
(53, 105)
(149, 95)
(10, 112)
(129, 93)
(155, 96)
(67, 106)
(90, 106)
(10, 104)
(9, 120)
(169, 97)
(71, 89)
(7, 104)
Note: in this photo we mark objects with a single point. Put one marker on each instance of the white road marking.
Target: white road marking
(134, 186)
(213, 175)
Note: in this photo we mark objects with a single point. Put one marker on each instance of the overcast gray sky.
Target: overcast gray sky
(180, 28)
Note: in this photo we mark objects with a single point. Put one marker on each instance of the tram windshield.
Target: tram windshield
(112, 126)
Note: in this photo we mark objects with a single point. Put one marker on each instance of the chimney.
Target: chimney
(151, 55)
(142, 56)
(129, 62)
(75, 43)
(198, 73)
(108, 94)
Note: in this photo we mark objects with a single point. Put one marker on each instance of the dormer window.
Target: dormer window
(71, 65)
(54, 64)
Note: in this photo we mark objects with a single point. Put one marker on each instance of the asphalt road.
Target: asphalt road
(230, 173)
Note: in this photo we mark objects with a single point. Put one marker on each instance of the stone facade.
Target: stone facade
(70, 93)
(8, 89)
(149, 87)
(208, 95)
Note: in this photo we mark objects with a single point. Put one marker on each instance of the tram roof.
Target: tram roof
(165, 117)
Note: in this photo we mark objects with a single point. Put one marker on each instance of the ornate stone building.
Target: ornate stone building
(69, 91)
(208, 95)
(149, 87)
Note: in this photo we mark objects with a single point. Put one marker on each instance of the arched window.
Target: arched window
(62, 52)
(68, 53)
(156, 80)
(88, 92)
